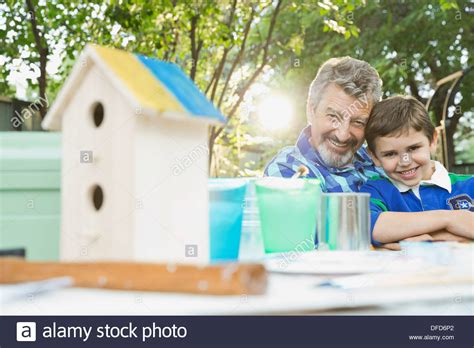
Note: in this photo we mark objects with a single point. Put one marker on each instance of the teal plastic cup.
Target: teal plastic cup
(288, 213)
(226, 202)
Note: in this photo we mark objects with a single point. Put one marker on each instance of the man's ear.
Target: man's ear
(434, 142)
(374, 158)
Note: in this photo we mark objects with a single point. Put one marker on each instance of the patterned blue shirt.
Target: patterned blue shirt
(348, 179)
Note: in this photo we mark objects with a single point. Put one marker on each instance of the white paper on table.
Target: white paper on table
(342, 262)
(14, 291)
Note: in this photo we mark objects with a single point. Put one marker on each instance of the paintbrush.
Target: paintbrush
(301, 172)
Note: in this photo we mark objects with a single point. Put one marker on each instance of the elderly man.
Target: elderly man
(339, 102)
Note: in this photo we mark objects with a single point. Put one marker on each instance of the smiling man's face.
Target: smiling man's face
(337, 125)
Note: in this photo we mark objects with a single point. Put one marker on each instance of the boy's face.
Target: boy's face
(405, 158)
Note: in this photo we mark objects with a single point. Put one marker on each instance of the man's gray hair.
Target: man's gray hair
(356, 77)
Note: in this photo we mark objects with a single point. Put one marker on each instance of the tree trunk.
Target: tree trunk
(215, 132)
(43, 58)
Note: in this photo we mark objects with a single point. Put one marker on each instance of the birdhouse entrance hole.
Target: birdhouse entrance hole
(98, 113)
(97, 197)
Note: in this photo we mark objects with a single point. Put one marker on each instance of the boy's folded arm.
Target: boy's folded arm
(448, 236)
(392, 226)
(438, 236)
(395, 226)
(460, 222)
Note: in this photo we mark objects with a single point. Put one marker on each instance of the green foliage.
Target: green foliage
(224, 45)
(411, 43)
(65, 27)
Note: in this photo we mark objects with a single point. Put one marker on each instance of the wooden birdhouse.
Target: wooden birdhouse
(134, 160)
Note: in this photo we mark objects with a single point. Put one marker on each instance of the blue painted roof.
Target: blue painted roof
(183, 88)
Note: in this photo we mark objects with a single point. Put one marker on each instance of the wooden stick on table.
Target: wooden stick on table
(225, 279)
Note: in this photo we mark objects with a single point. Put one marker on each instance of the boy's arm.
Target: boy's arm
(440, 236)
(448, 236)
(395, 226)
(378, 205)
(389, 226)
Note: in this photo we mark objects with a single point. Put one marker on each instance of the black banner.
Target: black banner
(256, 331)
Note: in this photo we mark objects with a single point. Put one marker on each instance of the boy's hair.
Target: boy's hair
(395, 116)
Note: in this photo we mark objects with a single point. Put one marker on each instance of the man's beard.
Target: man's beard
(333, 159)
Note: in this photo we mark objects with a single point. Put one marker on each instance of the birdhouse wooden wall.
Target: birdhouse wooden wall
(97, 172)
(135, 160)
(171, 171)
(134, 186)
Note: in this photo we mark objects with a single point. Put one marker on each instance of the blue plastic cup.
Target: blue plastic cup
(226, 202)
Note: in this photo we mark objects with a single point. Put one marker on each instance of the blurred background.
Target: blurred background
(253, 59)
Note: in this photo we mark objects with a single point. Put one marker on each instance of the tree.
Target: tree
(209, 39)
(228, 46)
(411, 44)
(224, 46)
(419, 44)
(33, 32)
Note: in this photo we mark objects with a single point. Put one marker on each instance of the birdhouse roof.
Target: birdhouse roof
(153, 87)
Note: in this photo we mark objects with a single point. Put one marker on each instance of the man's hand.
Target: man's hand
(461, 223)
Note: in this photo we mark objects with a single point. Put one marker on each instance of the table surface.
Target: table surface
(287, 294)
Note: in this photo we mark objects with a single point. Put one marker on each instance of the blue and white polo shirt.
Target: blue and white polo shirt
(446, 191)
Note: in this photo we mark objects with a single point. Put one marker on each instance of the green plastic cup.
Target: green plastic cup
(288, 213)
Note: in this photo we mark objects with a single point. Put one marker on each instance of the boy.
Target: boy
(419, 199)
